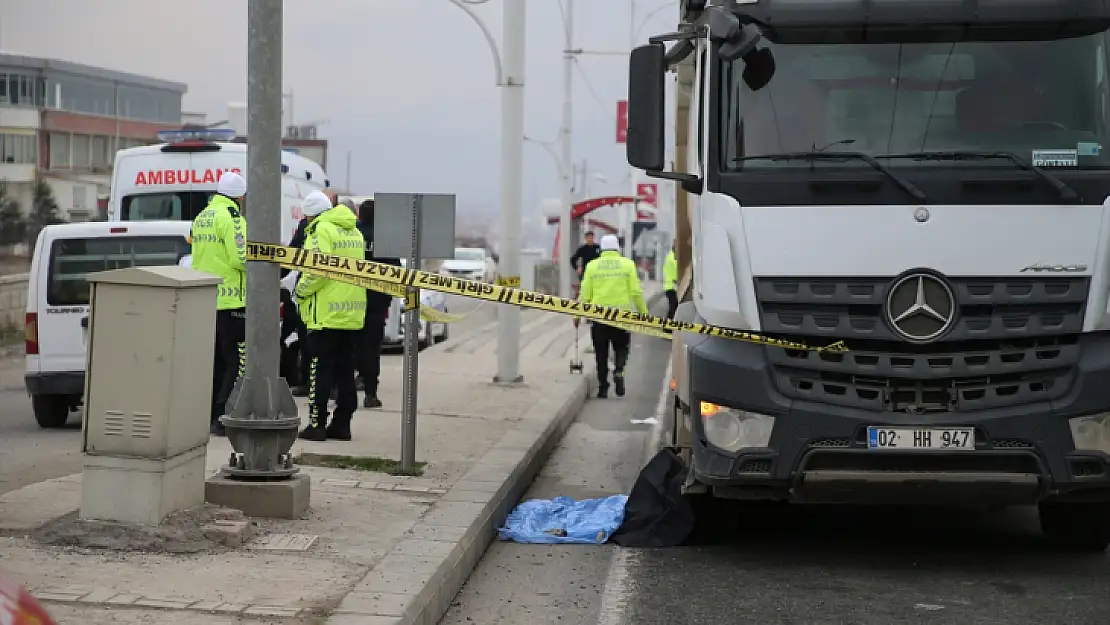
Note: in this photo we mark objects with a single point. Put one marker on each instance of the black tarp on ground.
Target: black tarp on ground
(657, 514)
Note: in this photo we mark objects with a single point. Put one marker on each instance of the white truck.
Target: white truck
(926, 181)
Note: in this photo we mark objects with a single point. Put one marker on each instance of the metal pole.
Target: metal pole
(568, 165)
(412, 349)
(512, 177)
(262, 423)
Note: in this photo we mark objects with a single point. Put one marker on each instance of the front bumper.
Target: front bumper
(818, 452)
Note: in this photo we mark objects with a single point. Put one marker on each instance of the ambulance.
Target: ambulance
(175, 180)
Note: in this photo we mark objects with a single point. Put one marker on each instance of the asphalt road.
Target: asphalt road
(29, 454)
(768, 564)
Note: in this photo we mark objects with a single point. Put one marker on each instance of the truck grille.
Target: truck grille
(1014, 341)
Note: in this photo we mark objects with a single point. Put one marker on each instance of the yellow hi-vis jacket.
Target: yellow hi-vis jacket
(325, 303)
(219, 239)
(612, 280)
(670, 272)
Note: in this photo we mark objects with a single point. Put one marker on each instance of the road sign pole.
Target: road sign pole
(262, 419)
(412, 347)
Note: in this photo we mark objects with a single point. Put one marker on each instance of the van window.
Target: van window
(184, 205)
(72, 260)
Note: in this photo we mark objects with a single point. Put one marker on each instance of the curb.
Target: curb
(416, 582)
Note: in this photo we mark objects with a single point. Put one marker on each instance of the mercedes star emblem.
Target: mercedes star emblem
(921, 215)
(920, 307)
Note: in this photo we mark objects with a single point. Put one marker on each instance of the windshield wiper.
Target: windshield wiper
(1065, 192)
(818, 155)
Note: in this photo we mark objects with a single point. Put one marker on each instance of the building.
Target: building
(65, 121)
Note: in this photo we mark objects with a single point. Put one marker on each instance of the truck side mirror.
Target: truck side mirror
(646, 109)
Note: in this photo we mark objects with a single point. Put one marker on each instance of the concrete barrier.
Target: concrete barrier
(13, 301)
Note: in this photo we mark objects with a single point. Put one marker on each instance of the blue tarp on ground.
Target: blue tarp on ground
(563, 520)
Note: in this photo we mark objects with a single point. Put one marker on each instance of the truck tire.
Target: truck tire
(51, 411)
(1079, 527)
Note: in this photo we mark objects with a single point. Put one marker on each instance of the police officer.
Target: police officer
(611, 280)
(368, 362)
(586, 252)
(219, 236)
(670, 282)
(333, 312)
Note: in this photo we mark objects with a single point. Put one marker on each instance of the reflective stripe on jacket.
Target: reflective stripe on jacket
(612, 280)
(330, 304)
(219, 236)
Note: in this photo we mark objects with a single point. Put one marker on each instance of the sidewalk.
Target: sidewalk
(374, 548)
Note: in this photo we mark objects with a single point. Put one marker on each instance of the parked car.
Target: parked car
(430, 333)
(470, 263)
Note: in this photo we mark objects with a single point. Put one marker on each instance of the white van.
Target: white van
(58, 300)
(175, 180)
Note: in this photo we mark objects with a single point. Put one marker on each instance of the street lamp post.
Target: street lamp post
(262, 419)
(565, 133)
(509, 69)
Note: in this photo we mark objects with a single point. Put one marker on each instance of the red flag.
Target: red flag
(622, 121)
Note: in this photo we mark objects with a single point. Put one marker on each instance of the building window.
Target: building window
(3, 88)
(82, 155)
(17, 149)
(59, 150)
(80, 197)
(101, 152)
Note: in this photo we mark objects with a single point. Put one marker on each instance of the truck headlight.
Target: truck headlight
(732, 430)
(1091, 433)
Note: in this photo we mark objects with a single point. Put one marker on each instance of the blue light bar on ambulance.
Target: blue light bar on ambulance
(199, 135)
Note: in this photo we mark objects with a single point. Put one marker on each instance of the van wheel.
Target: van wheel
(428, 339)
(51, 411)
(446, 330)
(1079, 527)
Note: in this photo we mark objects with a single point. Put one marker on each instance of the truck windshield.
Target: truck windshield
(181, 206)
(1044, 101)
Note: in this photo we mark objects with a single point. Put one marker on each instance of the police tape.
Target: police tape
(431, 315)
(509, 281)
(361, 272)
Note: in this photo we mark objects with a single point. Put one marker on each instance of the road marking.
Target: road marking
(647, 421)
(616, 593)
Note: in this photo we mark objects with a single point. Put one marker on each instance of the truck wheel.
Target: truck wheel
(51, 411)
(1082, 527)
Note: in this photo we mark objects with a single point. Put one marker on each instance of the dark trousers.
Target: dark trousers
(333, 365)
(672, 302)
(369, 358)
(301, 353)
(230, 357)
(603, 336)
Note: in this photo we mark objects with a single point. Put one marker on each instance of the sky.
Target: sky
(406, 86)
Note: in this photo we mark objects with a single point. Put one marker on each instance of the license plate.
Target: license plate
(920, 438)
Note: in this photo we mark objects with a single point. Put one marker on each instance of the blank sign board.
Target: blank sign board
(393, 224)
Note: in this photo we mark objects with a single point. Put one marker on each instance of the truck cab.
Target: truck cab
(925, 181)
